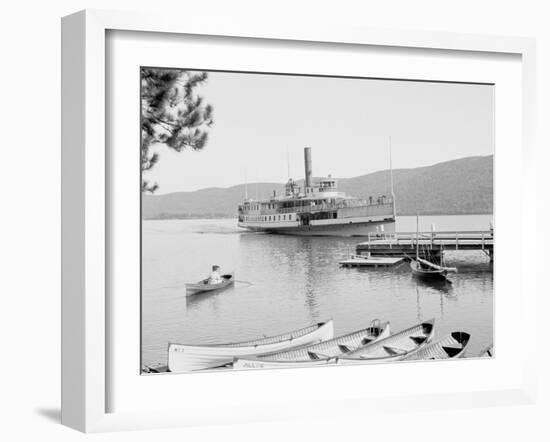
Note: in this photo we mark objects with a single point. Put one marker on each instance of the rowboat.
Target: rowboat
(317, 354)
(183, 357)
(451, 346)
(487, 352)
(394, 347)
(203, 286)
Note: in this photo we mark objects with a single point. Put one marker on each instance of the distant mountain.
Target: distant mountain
(463, 186)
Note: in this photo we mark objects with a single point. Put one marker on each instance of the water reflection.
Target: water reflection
(284, 283)
(442, 286)
(309, 275)
(210, 298)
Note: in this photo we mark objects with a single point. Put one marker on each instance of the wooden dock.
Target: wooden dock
(371, 261)
(429, 243)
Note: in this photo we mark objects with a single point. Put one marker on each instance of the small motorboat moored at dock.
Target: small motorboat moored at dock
(322, 353)
(183, 357)
(427, 270)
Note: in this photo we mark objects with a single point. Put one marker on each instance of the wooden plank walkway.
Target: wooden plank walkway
(371, 261)
(433, 243)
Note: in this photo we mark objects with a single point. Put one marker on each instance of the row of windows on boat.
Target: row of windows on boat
(313, 203)
(289, 217)
(289, 205)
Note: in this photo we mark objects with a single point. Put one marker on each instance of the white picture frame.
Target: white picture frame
(86, 315)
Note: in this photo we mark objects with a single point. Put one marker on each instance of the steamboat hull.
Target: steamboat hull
(349, 229)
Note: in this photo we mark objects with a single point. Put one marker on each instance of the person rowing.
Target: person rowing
(215, 276)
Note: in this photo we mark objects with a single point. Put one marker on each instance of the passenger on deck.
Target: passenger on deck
(215, 277)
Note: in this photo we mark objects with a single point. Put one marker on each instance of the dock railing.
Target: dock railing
(448, 239)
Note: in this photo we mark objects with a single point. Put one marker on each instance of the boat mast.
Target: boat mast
(417, 236)
(391, 181)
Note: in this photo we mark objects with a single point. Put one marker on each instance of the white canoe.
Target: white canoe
(317, 354)
(394, 347)
(182, 357)
(451, 346)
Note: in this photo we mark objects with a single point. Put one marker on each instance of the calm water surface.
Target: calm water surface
(286, 282)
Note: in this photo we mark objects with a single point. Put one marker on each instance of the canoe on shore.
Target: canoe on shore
(451, 346)
(155, 368)
(317, 354)
(182, 357)
(394, 347)
(487, 352)
(203, 286)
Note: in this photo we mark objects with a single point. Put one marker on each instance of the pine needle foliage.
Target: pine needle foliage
(172, 114)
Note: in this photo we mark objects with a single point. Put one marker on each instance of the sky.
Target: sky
(262, 123)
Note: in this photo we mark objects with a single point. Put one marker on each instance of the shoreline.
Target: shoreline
(203, 218)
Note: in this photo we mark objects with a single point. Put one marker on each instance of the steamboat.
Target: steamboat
(318, 210)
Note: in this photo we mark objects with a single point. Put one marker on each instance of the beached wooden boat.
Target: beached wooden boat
(203, 286)
(394, 347)
(487, 352)
(182, 357)
(155, 368)
(317, 354)
(451, 346)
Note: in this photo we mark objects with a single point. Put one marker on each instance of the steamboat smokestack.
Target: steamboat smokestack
(307, 160)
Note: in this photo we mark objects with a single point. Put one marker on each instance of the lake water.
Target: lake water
(287, 282)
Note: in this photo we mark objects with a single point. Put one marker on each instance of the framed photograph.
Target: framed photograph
(251, 209)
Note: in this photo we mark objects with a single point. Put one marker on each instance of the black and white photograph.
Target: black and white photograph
(304, 221)
(275, 221)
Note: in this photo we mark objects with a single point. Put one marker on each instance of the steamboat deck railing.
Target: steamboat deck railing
(325, 207)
